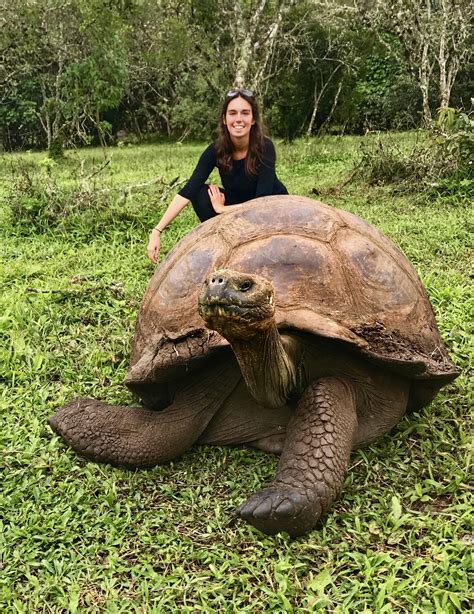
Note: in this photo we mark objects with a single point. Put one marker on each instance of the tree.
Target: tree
(71, 54)
(454, 48)
(184, 55)
(433, 34)
(255, 36)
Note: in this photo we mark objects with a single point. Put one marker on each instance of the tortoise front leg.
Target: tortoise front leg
(139, 437)
(313, 462)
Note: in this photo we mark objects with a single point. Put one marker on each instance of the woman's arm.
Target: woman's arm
(266, 174)
(203, 169)
(176, 206)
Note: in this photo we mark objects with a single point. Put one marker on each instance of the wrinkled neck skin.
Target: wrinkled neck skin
(269, 365)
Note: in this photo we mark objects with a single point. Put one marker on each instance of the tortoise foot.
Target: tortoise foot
(107, 433)
(281, 508)
(88, 426)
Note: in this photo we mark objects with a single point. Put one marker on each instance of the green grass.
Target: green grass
(80, 537)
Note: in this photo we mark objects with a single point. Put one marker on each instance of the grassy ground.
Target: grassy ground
(80, 537)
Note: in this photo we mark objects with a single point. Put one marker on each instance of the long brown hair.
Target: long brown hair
(224, 146)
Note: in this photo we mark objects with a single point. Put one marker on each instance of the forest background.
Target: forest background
(77, 72)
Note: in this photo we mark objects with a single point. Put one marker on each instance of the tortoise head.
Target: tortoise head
(237, 305)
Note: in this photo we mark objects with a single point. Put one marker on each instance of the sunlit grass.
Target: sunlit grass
(86, 538)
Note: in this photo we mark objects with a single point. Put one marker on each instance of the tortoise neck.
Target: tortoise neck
(268, 367)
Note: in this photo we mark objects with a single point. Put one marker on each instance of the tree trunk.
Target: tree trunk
(45, 119)
(255, 42)
(244, 42)
(268, 42)
(315, 110)
(453, 50)
(317, 99)
(444, 93)
(424, 73)
(325, 123)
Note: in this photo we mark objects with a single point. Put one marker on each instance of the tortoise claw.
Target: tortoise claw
(280, 508)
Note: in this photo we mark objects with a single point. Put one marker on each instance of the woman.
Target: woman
(246, 162)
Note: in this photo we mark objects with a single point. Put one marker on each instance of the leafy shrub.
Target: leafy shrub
(442, 162)
(386, 162)
(38, 202)
(456, 140)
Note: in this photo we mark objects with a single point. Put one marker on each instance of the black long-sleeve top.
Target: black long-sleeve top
(238, 186)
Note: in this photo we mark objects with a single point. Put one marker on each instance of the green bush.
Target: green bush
(37, 201)
(441, 161)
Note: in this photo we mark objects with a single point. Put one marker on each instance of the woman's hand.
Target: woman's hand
(217, 199)
(175, 207)
(153, 248)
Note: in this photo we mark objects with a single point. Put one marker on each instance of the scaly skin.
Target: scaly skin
(320, 435)
(139, 437)
(313, 462)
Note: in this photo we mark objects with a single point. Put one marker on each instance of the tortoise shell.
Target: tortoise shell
(334, 275)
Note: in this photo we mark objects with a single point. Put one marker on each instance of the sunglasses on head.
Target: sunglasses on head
(238, 92)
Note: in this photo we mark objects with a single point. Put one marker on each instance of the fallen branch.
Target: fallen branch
(136, 187)
(116, 289)
(338, 188)
(128, 189)
(97, 171)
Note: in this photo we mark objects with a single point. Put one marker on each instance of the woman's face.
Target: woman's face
(239, 119)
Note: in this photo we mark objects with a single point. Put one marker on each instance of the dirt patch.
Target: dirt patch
(394, 345)
(385, 341)
(437, 504)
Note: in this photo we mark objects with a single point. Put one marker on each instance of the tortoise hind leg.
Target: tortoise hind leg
(313, 462)
(139, 437)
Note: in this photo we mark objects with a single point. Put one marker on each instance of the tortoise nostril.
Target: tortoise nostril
(217, 281)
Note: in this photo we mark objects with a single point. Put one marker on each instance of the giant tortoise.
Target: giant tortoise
(284, 324)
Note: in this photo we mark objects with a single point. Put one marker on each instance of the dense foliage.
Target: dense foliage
(80, 71)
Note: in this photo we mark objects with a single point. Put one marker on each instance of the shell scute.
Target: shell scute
(300, 268)
(376, 278)
(194, 265)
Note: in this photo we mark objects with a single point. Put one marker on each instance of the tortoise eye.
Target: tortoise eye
(246, 285)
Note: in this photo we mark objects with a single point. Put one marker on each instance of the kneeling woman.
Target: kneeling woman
(246, 162)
